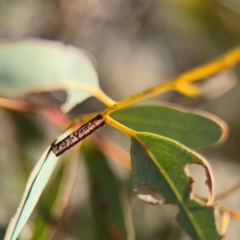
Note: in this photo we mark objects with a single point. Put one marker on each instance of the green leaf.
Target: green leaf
(107, 205)
(44, 218)
(38, 65)
(161, 164)
(53, 201)
(194, 129)
(34, 187)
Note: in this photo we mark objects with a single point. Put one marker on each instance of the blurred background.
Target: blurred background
(137, 44)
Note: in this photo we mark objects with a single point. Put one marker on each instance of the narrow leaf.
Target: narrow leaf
(38, 65)
(108, 210)
(36, 183)
(195, 129)
(34, 187)
(44, 218)
(161, 164)
(54, 201)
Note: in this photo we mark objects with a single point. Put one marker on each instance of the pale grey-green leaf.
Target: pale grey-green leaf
(37, 65)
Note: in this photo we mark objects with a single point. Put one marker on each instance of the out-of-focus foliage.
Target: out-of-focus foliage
(137, 43)
(106, 200)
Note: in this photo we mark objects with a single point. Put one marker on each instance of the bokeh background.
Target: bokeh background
(137, 44)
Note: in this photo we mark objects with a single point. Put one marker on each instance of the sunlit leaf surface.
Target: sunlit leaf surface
(161, 164)
(37, 65)
(106, 199)
(194, 129)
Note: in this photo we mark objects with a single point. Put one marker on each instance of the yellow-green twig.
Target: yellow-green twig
(233, 213)
(100, 95)
(119, 126)
(221, 208)
(224, 62)
(228, 192)
(168, 85)
(179, 82)
(224, 193)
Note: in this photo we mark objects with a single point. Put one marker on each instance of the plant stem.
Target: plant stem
(224, 62)
(118, 126)
(100, 95)
(224, 193)
(177, 83)
(233, 214)
(228, 192)
(221, 208)
(96, 92)
(140, 96)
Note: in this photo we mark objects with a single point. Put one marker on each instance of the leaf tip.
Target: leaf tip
(225, 129)
(209, 182)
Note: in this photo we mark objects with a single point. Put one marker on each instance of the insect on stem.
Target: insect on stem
(75, 137)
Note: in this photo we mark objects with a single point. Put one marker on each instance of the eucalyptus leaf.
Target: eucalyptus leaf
(161, 164)
(45, 220)
(34, 187)
(38, 65)
(195, 129)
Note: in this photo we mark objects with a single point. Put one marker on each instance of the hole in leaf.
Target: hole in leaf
(199, 177)
(148, 195)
